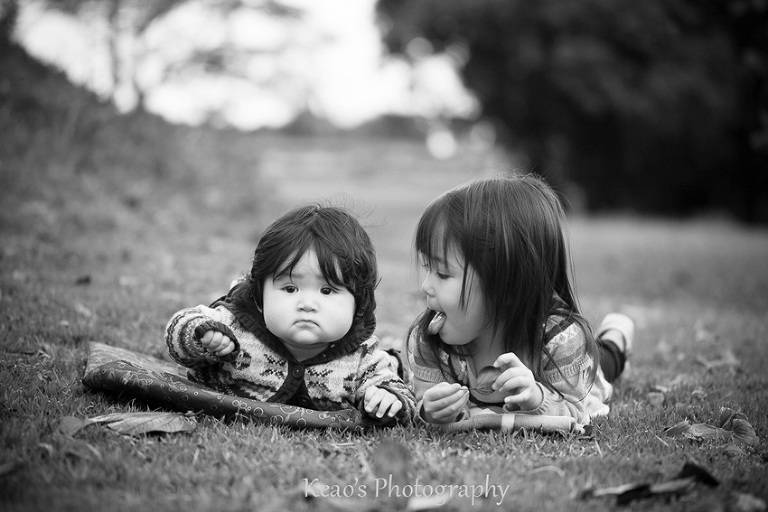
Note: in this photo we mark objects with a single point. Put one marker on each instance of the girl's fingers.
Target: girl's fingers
(516, 383)
(507, 375)
(508, 359)
(448, 407)
(448, 401)
(443, 390)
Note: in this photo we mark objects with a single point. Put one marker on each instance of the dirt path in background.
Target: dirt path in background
(388, 183)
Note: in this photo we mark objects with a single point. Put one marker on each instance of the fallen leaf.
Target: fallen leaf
(83, 280)
(699, 394)
(6, 468)
(137, 423)
(82, 310)
(742, 502)
(485, 378)
(684, 482)
(727, 359)
(70, 425)
(81, 450)
(737, 423)
(734, 449)
(733, 427)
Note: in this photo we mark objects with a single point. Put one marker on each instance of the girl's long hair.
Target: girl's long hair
(509, 229)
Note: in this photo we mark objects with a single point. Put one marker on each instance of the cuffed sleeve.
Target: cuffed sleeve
(187, 327)
(380, 369)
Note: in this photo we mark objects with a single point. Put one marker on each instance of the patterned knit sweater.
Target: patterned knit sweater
(568, 370)
(261, 368)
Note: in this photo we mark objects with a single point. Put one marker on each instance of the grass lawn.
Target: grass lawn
(108, 254)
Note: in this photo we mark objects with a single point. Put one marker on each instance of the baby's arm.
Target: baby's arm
(198, 337)
(381, 393)
(378, 402)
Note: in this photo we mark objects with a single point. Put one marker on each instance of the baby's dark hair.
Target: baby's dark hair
(345, 253)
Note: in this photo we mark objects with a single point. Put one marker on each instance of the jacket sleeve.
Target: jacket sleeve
(187, 327)
(379, 368)
(569, 370)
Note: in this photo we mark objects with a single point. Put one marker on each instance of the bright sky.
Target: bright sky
(332, 63)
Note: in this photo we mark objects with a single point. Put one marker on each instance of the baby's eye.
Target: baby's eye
(327, 290)
(289, 288)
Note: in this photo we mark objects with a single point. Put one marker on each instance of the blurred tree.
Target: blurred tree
(660, 105)
(130, 20)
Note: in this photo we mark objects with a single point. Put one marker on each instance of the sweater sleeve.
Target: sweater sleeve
(379, 368)
(426, 374)
(569, 371)
(187, 327)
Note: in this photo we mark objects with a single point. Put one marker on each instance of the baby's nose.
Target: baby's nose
(307, 303)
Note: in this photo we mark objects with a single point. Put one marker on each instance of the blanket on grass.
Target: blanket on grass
(165, 383)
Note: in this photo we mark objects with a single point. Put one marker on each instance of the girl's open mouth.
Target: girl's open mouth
(436, 323)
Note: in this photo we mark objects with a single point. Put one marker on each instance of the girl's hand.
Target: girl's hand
(217, 343)
(379, 401)
(517, 382)
(443, 402)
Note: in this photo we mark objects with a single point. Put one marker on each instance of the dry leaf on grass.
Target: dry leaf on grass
(731, 425)
(682, 483)
(728, 359)
(133, 423)
(137, 423)
(742, 502)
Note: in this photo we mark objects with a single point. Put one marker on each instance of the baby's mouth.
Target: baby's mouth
(436, 323)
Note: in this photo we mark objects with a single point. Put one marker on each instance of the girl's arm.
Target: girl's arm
(185, 331)
(437, 401)
(569, 372)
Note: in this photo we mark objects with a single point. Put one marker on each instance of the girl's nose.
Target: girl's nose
(426, 285)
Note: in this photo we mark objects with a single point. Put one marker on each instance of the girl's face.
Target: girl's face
(442, 284)
(303, 309)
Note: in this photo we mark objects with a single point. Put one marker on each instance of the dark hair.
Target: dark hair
(344, 251)
(509, 230)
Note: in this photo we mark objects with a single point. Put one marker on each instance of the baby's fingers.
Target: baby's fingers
(376, 401)
(207, 338)
(226, 348)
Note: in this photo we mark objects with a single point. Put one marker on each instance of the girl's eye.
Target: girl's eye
(327, 290)
(441, 275)
(290, 288)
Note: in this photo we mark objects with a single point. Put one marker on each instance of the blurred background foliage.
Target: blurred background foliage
(657, 106)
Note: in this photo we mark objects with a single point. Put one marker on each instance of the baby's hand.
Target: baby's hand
(443, 402)
(517, 382)
(217, 343)
(379, 401)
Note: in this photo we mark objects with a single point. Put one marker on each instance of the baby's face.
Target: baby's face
(304, 310)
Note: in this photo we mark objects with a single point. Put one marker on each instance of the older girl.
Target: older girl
(502, 330)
